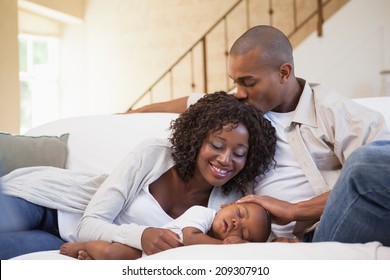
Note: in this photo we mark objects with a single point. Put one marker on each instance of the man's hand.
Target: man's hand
(156, 240)
(282, 212)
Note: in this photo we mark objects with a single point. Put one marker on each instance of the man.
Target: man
(317, 131)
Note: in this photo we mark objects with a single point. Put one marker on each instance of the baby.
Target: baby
(234, 223)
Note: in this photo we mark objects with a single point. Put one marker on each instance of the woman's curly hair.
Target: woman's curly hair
(209, 115)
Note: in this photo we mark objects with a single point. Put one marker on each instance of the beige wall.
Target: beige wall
(352, 52)
(75, 8)
(123, 46)
(31, 23)
(9, 67)
(119, 47)
(62, 10)
(126, 45)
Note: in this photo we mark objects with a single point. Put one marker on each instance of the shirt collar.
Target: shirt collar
(305, 112)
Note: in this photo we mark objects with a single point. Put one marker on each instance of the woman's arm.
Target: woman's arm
(111, 202)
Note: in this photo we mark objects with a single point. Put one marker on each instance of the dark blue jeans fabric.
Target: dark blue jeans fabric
(358, 207)
(26, 227)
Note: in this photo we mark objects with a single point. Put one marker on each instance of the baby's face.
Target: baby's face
(248, 221)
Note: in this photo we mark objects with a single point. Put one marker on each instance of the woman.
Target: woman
(216, 150)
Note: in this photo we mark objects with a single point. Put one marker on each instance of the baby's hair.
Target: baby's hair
(210, 114)
(269, 225)
(266, 224)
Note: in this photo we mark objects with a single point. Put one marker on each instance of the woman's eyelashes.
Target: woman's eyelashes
(240, 153)
(216, 146)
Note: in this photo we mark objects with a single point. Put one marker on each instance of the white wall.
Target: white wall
(353, 51)
(123, 46)
(115, 54)
(9, 68)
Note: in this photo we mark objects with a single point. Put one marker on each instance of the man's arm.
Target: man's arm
(311, 209)
(284, 212)
(178, 105)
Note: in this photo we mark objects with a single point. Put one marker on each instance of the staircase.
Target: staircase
(203, 67)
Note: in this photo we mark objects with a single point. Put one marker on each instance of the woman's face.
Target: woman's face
(223, 154)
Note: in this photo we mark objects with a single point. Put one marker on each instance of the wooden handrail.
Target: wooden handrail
(320, 18)
(203, 41)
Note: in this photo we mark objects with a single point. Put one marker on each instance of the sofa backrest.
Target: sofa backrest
(98, 143)
(380, 104)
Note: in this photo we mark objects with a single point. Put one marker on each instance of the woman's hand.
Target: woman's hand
(282, 212)
(156, 240)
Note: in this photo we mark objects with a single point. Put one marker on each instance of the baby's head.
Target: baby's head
(249, 221)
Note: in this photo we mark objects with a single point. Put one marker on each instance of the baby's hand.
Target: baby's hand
(233, 240)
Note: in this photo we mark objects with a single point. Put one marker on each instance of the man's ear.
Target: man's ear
(285, 71)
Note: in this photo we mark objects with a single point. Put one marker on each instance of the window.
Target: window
(38, 78)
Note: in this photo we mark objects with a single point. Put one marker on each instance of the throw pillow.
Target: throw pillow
(17, 151)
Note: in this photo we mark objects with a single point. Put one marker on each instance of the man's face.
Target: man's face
(256, 81)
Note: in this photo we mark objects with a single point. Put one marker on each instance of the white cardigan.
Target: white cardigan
(105, 217)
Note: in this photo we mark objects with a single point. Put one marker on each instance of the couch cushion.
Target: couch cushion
(18, 151)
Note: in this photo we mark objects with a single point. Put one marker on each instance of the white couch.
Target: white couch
(98, 143)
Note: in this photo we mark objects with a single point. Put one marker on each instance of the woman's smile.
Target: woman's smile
(220, 173)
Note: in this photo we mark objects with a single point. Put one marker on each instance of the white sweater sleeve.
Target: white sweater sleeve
(141, 167)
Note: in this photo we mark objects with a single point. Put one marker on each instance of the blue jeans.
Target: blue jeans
(26, 227)
(358, 208)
